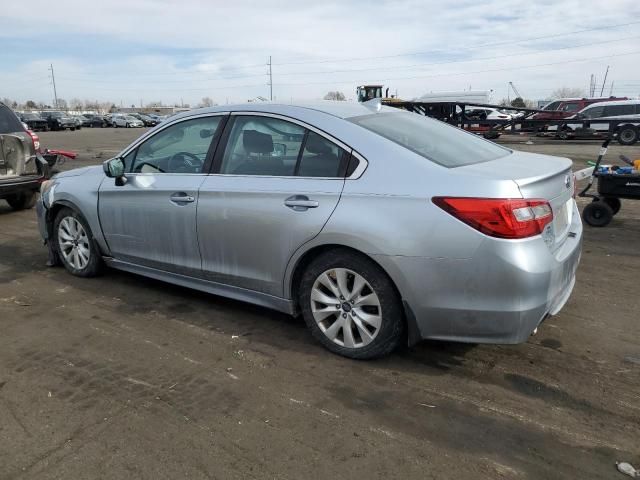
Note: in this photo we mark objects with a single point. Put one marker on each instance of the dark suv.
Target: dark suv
(22, 169)
(59, 121)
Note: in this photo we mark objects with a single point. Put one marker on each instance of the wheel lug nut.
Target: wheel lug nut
(341, 297)
(338, 306)
(351, 302)
(344, 315)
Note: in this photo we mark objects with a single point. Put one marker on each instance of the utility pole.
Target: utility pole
(604, 82)
(611, 89)
(55, 93)
(270, 80)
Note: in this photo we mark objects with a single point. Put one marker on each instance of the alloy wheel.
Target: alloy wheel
(74, 243)
(346, 308)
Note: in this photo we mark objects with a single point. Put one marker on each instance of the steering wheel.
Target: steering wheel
(184, 162)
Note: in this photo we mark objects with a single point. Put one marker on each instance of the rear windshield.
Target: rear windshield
(9, 123)
(434, 140)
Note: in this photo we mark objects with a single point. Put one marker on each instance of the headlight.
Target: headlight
(44, 186)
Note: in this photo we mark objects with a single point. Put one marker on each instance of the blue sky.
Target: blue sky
(160, 50)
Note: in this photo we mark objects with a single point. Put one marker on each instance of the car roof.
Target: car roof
(616, 102)
(334, 108)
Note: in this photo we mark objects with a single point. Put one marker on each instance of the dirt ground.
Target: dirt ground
(126, 377)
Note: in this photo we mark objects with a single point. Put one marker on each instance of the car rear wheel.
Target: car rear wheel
(22, 201)
(74, 244)
(628, 135)
(597, 214)
(351, 306)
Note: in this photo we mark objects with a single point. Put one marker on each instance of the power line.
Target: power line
(472, 47)
(352, 81)
(380, 80)
(395, 67)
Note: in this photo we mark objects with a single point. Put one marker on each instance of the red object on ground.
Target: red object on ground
(64, 153)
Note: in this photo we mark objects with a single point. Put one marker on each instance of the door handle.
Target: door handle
(182, 197)
(300, 203)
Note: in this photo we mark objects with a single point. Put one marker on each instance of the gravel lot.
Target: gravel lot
(126, 377)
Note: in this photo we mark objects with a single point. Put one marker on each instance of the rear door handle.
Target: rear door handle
(300, 203)
(180, 198)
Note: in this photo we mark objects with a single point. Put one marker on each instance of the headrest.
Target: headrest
(316, 144)
(256, 142)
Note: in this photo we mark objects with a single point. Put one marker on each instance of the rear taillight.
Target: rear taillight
(35, 139)
(499, 217)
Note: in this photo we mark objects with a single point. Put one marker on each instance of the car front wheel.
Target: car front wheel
(74, 244)
(351, 306)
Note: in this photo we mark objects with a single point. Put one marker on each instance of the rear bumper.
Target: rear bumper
(499, 295)
(19, 185)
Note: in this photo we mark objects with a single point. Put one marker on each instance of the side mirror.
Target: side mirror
(114, 168)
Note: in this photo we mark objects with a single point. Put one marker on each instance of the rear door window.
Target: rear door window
(267, 146)
(321, 158)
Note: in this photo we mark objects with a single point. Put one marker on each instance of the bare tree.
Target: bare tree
(31, 105)
(62, 103)
(76, 104)
(207, 102)
(335, 96)
(568, 92)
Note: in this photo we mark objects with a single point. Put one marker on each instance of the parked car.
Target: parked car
(379, 226)
(59, 121)
(94, 121)
(147, 120)
(486, 113)
(567, 107)
(22, 169)
(34, 122)
(126, 121)
(78, 119)
(629, 110)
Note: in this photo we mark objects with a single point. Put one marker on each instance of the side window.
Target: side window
(571, 107)
(616, 110)
(321, 158)
(262, 146)
(594, 112)
(180, 148)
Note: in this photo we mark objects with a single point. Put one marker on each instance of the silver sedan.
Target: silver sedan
(377, 225)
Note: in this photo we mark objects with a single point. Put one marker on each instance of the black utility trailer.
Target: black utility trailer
(612, 187)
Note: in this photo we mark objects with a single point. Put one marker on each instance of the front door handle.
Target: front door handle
(300, 203)
(180, 198)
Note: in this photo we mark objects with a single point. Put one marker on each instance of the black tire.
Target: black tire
(563, 134)
(628, 135)
(391, 332)
(614, 203)
(597, 214)
(94, 266)
(22, 201)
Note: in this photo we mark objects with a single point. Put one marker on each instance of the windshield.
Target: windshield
(434, 140)
(129, 117)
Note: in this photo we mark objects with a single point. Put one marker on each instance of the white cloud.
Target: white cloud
(132, 50)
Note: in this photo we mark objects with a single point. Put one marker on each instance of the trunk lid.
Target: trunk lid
(537, 176)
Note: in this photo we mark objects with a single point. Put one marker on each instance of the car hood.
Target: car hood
(93, 170)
